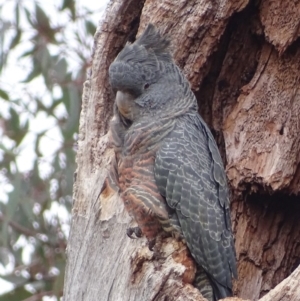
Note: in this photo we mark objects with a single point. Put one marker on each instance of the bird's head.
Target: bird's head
(145, 78)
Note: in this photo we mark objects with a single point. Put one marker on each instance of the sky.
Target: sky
(11, 78)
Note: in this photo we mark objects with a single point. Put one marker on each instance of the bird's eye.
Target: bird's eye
(146, 86)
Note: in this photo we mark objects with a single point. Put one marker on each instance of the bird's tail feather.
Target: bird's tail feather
(210, 288)
(203, 284)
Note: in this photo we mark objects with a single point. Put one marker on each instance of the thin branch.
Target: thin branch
(19, 228)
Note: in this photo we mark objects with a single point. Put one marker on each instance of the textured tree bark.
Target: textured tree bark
(243, 60)
(287, 290)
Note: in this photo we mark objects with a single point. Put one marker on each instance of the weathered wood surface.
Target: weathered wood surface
(287, 290)
(248, 93)
(281, 22)
(262, 131)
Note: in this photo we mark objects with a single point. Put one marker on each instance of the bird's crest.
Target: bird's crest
(152, 39)
(149, 44)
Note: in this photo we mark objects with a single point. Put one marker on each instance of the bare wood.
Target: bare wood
(281, 22)
(287, 290)
(262, 131)
(266, 242)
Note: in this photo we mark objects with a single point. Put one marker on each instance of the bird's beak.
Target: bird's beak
(124, 101)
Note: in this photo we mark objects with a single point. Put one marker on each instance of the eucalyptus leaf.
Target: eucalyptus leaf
(90, 27)
(16, 39)
(14, 198)
(69, 4)
(4, 95)
(4, 256)
(14, 279)
(17, 14)
(59, 281)
(43, 24)
(60, 69)
(28, 16)
(19, 293)
(36, 71)
(71, 124)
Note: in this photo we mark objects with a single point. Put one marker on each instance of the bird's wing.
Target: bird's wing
(190, 175)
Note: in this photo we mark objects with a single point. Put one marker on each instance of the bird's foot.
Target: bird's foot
(155, 245)
(134, 230)
(151, 244)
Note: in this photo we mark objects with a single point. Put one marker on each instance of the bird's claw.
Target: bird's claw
(154, 246)
(151, 244)
(134, 230)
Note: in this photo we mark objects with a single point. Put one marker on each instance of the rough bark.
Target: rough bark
(261, 132)
(243, 62)
(287, 290)
(281, 22)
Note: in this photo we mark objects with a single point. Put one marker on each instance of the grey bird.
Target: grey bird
(168, 167)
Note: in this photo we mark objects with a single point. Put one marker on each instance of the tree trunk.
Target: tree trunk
(242, 58)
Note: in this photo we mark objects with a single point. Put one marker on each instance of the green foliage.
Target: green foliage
(43, 62)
